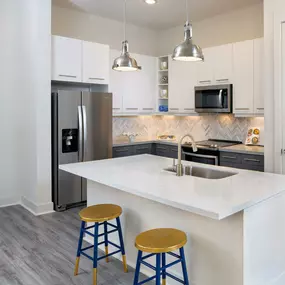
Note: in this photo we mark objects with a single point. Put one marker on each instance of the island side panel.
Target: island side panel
(214, 249)
(264, 242)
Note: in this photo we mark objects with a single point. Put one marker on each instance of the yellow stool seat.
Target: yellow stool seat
(160, 240)
(100, 213)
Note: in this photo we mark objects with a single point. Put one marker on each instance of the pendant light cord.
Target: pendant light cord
(125, 19)
(187, 12)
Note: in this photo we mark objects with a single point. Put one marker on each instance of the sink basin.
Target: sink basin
(206, 173)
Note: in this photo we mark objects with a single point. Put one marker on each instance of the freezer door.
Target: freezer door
(70, 137)
(97, 125)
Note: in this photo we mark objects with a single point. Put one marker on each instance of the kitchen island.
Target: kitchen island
(235, 225)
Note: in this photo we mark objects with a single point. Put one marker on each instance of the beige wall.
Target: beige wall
(236, 26)
(83, 26)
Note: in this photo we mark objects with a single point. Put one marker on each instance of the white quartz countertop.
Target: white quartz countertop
(241, 148)
(143, 175)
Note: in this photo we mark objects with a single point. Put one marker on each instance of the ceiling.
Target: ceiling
(164, 15)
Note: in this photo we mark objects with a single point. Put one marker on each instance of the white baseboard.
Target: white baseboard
(11, 201)
(37, 209)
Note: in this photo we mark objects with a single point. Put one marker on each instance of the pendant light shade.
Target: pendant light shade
(125, 62)
(187, 50)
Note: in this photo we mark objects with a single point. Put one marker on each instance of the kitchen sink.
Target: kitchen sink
(206, 173)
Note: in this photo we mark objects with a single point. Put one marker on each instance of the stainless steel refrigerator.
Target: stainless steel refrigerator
(81, 131)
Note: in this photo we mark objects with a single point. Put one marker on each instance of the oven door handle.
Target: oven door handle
(202, 156)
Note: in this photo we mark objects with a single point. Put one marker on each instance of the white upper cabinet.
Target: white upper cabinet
(66, 59)
(258, 76)
(217, 67)
(134, 92)
(182, 80)
(223, 64)
(96, 63)
(205, 69)
(243, 77)
(117, 85)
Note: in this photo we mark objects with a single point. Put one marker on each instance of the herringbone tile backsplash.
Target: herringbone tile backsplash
(201, 127)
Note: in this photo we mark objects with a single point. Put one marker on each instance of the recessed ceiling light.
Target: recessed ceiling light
(150, 2)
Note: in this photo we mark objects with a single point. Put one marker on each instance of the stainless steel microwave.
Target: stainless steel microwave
(214, 99)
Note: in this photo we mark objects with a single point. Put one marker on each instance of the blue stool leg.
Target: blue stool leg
(157, 271)
(137, 272)
(95, 255)
(122, 244)
(106, 240)
(79, 248)
(183, 263)
(163, 270)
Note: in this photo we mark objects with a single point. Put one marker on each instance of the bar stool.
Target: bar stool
(159, 242)
(100, 215)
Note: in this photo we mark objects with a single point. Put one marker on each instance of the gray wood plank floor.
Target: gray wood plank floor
(41, 251)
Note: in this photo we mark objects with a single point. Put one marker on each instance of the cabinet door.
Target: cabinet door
(258, 76)
(117, 84)
(147, 78)
(66, 59)
(96, 62)
(243, 77)
(206, 68)
(182, 80)
(223, 67)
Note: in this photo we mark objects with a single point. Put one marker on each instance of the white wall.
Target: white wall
(83, 26)
(25, 102)
(239, 25)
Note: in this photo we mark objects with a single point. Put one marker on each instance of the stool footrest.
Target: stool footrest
(148, 265)
(174, 254)
(146, 280)
(171, 264)
(86, 255)
(149, 255)
(174, 277)
(107, 255)
(113, 244)
(112, 231)
(88, 247)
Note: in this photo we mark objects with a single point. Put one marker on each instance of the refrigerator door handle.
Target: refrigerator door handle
(84, 116)
(80, 130)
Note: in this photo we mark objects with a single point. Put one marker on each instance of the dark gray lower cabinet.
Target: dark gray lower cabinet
(148, 148)
(242, 161)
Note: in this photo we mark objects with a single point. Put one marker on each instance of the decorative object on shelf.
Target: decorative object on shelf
(252, 136)
(125, 62)
(164, 65)
(164, 79)
(131, 136)
(166, 137)
(187, 50)
(163, 108)
(164, 93)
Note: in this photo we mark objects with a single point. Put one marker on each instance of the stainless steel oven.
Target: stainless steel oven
(205, 156)
(214, 99)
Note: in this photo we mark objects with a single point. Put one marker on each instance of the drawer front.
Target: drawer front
(143, 149)
(122, 151)
(230, 157)
(253, 160)
(173, 152)
(162, 150)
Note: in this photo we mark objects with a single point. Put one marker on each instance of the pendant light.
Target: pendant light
(125, 62)
(187, 50)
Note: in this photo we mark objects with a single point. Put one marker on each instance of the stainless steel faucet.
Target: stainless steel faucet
(179, 171)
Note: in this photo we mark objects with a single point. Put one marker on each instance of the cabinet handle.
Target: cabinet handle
(69, 76)
(259, 109)
(189, 109)
(224, 79)
(174, 109)
(122, 150)
(162, 148)
(148, 109)
(132, 109)
(251, 159)
(229, 157)
(241, 109)
(205, 81)
(142, 148)
(116, 108)
(96, 78)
